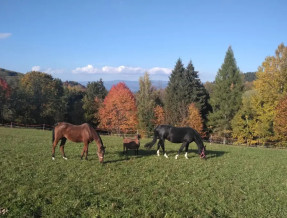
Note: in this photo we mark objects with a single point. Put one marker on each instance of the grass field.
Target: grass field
(232, 182)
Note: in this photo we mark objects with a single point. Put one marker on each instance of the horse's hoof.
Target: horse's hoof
(165, 155)
(186, 156)
(65, 158)
(53, 158)
(157, 152)
(176, 156)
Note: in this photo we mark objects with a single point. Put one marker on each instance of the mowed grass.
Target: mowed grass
(232, 182)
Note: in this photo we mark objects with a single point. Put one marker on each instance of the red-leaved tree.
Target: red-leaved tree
(118, 113)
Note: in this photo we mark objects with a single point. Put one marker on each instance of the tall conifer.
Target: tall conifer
(226, 97)
(174, 98)
(184, 88)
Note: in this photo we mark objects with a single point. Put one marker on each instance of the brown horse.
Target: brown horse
(77, 133)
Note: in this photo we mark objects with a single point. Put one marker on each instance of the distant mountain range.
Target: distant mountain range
(133, 85)
(11, 77)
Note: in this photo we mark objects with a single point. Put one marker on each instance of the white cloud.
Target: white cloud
(90, 69)
(5, 35)
(159, 70)
(48, 70)
(36, 68)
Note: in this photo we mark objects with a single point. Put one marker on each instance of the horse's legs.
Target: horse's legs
(184, 144)
(53, 147)
(85, 150)
(63, 141)
(162, 146)
(158, 146)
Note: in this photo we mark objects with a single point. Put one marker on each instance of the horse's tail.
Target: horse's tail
(53, 133)
(150, 144)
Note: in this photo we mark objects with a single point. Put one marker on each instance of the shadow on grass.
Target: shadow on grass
(214, 154)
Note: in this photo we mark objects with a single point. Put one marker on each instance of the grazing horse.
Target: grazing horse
(77, 133)
(131, 144)
(184, 135)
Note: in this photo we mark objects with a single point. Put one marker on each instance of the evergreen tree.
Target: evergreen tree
(195, 90)
(174, 98)
(226, 97)
(95, 93)
(184, 88)
(145, 104)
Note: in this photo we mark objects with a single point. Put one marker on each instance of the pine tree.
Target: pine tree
(174, 105)
(145, 104)
(183, 89)
(226, 97)
(196, 91)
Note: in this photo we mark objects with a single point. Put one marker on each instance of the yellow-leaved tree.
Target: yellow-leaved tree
(270, 86)
(194, 119)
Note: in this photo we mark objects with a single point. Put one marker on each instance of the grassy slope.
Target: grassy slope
(233, 182)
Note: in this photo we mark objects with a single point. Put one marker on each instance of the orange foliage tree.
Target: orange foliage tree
(118, 113)
(194, 119)
(159, 115)
(280, 121)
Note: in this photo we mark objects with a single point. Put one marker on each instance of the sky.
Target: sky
(85, 40)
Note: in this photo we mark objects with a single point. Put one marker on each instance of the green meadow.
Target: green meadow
(232, 182)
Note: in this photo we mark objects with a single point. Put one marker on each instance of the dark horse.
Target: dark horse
(184, 135)
(82, 133)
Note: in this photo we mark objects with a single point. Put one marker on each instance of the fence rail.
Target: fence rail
(210, 141)
(26, 126)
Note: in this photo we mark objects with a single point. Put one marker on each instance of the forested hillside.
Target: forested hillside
(248, 107)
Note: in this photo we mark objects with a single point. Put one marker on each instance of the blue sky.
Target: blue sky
(85, 40)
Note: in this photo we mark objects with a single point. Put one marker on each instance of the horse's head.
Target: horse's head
(202, 154)
(101, 154)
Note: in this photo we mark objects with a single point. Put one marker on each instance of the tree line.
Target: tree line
(248, 107)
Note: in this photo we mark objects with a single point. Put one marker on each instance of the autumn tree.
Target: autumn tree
(244, 121)
(226, 95)
(118, 113)
(270, 86)
(145, 105)
(159, 115)
(280, 121)
(194, 119)
(95, 93)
